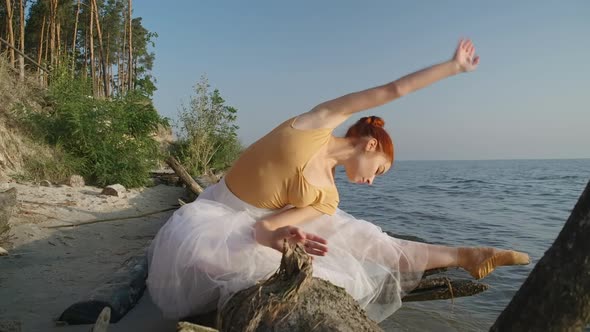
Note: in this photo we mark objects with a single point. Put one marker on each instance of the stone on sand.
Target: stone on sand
(114, 190)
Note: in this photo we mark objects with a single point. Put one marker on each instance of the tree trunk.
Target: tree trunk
(75, 37)
(108, 65)
(191, 184)
(58, 43)
(53, 32)
(21, 54)
(293, 300)
(85, 69)
(91, 38)
(40, 49)
(130, 47)
(121, 69)
(101, 51)
(47, 36)
(21, 59)
(9, 30)
(556, 295)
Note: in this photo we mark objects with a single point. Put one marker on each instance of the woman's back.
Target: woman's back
(269, 174)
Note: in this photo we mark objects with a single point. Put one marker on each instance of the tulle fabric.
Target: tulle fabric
(206, 252)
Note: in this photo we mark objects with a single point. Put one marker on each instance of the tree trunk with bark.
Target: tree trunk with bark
(21, 59)
(91, 38)
(293, 300)
(191, 184)
(101, 51)
(556, 295)
(10, 31)
(130, 47)
(74, 38)
(121, 64)
(53, 32)
(40, 50)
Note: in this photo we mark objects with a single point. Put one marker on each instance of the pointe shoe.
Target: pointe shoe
(502, 258)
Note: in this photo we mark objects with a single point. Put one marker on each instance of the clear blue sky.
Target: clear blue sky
(529, 98)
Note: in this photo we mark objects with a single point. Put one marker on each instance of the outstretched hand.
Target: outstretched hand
(313, 244)
(465, 56)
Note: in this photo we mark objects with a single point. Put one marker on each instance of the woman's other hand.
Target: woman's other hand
(313, 244)
(465, 56)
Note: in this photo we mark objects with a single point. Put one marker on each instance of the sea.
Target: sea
(512, 204)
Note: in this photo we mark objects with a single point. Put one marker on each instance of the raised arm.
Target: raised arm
(332, 113)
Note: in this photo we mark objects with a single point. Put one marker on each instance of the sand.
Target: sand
(47, 269)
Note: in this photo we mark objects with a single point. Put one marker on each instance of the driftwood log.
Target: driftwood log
(556, 295)
(184, 176)
(293, 300)
(120, 294)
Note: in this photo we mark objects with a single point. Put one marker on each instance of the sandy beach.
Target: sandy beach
(48, 269)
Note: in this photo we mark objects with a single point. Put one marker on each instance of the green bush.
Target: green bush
(208, 139)
(111, 140)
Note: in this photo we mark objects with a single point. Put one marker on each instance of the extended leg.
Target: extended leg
(478, 261)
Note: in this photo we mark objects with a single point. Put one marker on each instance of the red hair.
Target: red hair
(372, 126)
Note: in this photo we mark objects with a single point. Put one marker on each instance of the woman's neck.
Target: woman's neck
(340, 150)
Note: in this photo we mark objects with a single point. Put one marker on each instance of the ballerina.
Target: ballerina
(282, 187)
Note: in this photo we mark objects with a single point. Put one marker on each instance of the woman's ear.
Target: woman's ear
(371, 145)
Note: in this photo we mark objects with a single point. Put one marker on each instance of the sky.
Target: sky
(529, 98)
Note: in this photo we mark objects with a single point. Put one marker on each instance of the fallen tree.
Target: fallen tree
(184, 176)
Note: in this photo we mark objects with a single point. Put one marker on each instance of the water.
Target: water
(517, 204)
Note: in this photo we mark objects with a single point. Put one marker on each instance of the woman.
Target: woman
(282, 187)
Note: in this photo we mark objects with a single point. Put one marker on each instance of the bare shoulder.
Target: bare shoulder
(318, 118)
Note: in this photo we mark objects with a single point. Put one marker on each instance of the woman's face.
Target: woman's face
(367, 163)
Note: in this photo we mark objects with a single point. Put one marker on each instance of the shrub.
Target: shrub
(208, 140)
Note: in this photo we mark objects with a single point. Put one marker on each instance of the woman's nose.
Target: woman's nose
(370, 180)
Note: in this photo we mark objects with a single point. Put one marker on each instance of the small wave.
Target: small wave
(557, 177)
(469, 181)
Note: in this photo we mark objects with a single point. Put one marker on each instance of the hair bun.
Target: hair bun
(374, 121)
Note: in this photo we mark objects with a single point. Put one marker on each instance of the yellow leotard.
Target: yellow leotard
(269, 174)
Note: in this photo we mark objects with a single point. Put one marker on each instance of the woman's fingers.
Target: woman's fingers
(313, 244)
(297, 234)
(476, 61)
(315, 248)
(316, 252)
(465, 55)
(315, 238)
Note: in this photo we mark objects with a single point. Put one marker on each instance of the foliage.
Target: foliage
(208, 134)
(113, 19)
(112, 139)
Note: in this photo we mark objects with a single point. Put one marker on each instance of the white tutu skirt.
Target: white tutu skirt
(206, 252)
